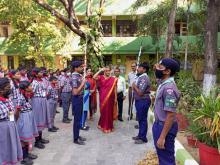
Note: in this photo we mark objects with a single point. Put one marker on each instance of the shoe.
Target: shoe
(39, 145)
(44, 141)
(85, 128)
(56, 128)
(66, 121)
(57, 112)
(140, 141)
(69, 119)
(52, 130)
(135, 138)
(136, 126)
(79, 142)
(130, 117)
(27, 161)
(82, 139)
(32, 156)
(120, 119)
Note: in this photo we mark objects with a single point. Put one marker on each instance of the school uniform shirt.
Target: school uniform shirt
(24, 78)
(24, 104)
(65, 84)
(143, 84)
(131, 78)
(6, 106)
(167, 98)
(76, 81)
(46, 81)
(39, 88)
(52, 92)
(15, 94)
(121, 85)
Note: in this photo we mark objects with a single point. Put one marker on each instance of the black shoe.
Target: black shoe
(52, 130)
(32, 156)
(140, 141)
(27, 161)
(82, 139)
(120, 119)
(44, 141)
(136, 126)
(79, 142)
(130, 117)
(69, 119)
(85, 128)
(66, 121)
(135, 138)
(39, 145)
(55, 128)
(57, 112)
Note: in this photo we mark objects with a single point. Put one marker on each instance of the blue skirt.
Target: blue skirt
(41, 112)
(27, 127)
(10, 145)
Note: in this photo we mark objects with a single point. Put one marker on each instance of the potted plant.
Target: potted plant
(189, 90)
(206, 128)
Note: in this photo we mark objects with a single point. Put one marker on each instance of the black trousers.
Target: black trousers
(131, 101)
(120, 104)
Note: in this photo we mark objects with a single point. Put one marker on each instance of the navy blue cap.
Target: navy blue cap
(171, 64)
(76, 64)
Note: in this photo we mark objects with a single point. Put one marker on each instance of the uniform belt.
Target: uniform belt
(1, 120)
(24, 111)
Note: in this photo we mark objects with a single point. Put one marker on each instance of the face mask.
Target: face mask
(7, 93)
(159, 74)
(62, 73)
(68, 74)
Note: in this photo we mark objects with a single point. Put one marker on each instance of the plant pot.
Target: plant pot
(182, 122)
(192, 141)
(208, 155)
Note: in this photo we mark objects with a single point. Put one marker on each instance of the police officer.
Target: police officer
(165, 126)
(77, 100)
(141, 90)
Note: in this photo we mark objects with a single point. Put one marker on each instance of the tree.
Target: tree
(64, 10)
(211, 34)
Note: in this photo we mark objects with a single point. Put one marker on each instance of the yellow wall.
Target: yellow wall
(4, 62)
(16, 62)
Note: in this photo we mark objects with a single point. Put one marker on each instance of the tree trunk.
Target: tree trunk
(211, 46)
(171, 30)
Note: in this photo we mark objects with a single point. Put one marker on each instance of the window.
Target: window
(10, 62)
(180, 28)
(107, 28)
(126, 28)
(107, 60)
(5, 31)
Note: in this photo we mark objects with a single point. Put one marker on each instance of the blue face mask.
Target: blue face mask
(159, 74)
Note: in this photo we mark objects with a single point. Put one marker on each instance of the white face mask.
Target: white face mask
(62, 73)
(68, 74)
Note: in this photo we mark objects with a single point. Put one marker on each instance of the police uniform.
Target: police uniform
(142, 104)
(167, 98)
(77, 101)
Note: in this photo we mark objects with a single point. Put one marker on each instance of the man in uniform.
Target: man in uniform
(77, 100)
(141, 90)
(165, 126)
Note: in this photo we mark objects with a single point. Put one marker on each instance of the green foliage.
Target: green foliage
(189, 91)
(205, 120)
(35, 30)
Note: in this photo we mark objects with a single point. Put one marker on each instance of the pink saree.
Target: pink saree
(108, 104)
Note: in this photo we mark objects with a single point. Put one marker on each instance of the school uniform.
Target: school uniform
(142, 104)
(77, 105)
(85, 104)
(15, 94)
(167, 98)
(26, 124)
(52, 97)
(66, 93)
(10, 146)
(39, 105)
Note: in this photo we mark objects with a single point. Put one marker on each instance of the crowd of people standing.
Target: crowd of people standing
(29, 100)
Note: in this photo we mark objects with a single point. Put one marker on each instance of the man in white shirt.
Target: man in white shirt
(121, 92)
(131, 79)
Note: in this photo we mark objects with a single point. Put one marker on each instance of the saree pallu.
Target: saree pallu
(108, 103)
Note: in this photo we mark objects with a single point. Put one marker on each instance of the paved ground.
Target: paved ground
(116, 148)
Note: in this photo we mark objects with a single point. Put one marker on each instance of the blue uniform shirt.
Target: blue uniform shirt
(167, 98)
(143, 84)
(76, 81)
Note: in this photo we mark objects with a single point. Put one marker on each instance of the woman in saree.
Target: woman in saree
(108, 99)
